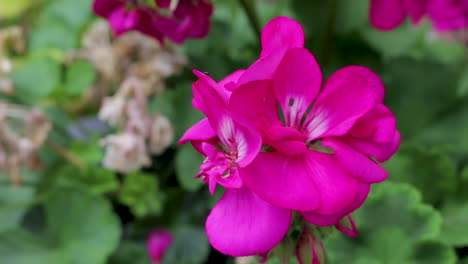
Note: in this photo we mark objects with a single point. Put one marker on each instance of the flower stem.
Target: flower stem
(251, 12)
(329, 33)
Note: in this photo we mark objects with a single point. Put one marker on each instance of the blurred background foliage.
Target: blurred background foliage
(74, 210)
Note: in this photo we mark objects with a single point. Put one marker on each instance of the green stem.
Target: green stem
(251, 12)
(329, 33)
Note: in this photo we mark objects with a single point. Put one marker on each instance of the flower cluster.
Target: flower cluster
(11, 40)
(22, 131)
(281, 142)
(176, 20)
(127, 110)
(446, 15)
(133, 55)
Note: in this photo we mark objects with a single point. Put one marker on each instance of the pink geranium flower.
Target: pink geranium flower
(318, 155)
(189, 19)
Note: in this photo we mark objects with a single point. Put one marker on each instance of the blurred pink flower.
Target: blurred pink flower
(445, 15)
(314, 157)
(389, 14)
(189, 19)
(157, 244)
(448, 15)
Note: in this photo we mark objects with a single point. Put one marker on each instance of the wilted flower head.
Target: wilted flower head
(125, 152)
(161, 135)
(185, 19)
(157, 245)
(22, 132)
(318, 155)
(127, 110)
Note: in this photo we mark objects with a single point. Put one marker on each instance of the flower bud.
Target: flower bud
(157, 244)
(309, 248)
(347, 226)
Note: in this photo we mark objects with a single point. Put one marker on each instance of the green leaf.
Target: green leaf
(80, 75)
(82, 229)
(60, 25)
(275, 260)
(190, 246)
(394, 227)
(74, 14)
(13, 205)
(464, 184)
(82, 223)
(455, 224)
(18, 246)
(464, 261)
(140, 192)
(92, 179)
(130, 252)
(414, 94)
(187, 162)
(449, 130)
(36, 79)
(433, 252)
(50, 35)
(13, 8)
(400, 41)
(351, 15)
(424, 168)
(463, 84)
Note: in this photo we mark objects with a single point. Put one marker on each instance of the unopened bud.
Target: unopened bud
(284, 250)
(157, 245)
(347, 226)
(309, 248)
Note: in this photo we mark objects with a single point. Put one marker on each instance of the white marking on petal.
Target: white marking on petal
(233, 139)
(317, 125)
(295, 108)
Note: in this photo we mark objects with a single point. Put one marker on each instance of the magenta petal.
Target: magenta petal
(237, 134)
(281, 34)
(380, 151)
(386, 14)
(242, 224)
(372, 78)
(357, 164)
(104, 8)
(122, 20)
(378, 125)
(229, 83)
(254, 100)
(326, 220)
(200, 131)
(282, 180)
(262, 69)
(147, 18)
(157, 245)
(337, 189)
(296, 83)
(415, 8)
(286, 140)
(169, 27)
(345, 99)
